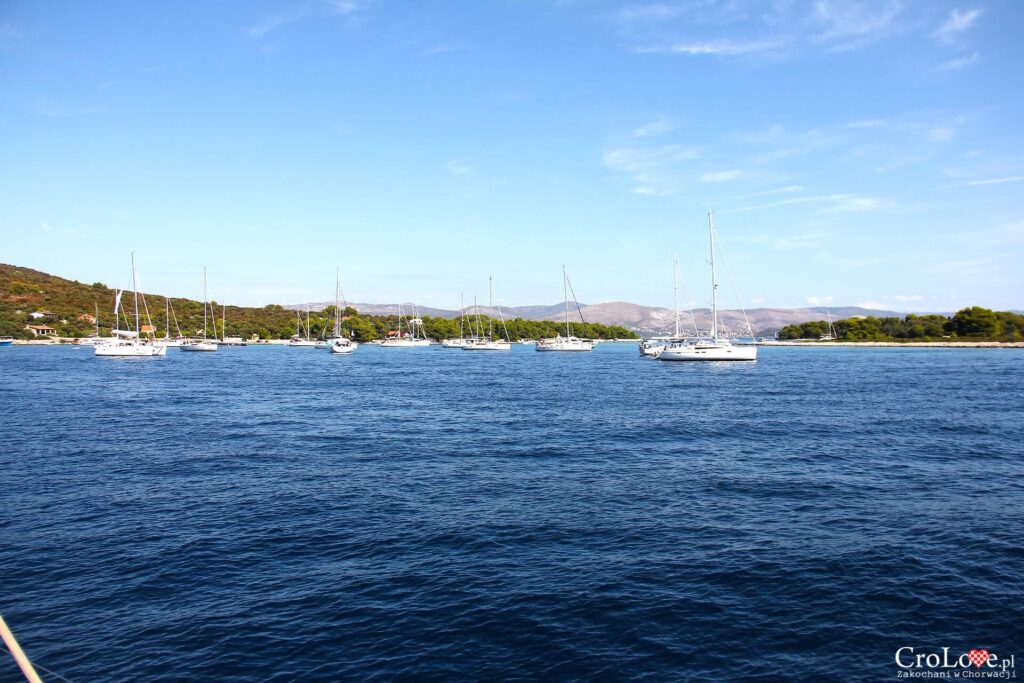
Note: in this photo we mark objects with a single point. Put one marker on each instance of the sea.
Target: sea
(281, 514)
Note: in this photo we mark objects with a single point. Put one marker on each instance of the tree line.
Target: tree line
(974, 323)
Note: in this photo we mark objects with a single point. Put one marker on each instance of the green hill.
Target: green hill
(72, 304)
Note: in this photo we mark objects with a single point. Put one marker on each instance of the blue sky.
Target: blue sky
(854, 153)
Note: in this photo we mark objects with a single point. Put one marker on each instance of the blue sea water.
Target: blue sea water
(275, 514)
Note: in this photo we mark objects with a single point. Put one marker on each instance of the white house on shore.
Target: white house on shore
(41, 330)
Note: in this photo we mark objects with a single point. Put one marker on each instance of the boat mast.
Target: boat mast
(167, 315)
(714, 283)
(223, 322)
(337, 298)
(490, 307)
(307, 321)
(675, 287)
(135, 290)
(477, 333)
(462, 314)
(205, 334)
(565, 296)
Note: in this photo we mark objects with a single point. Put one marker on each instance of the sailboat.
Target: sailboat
(225, 340)
(410, 339)
(167, 339)
(96, 338)
(127, 342)
(205, 344)
(830, 335)
(568, 342)
(714, 348)
(489, 343)
(460, 341)
(339, 343)
(298, 340)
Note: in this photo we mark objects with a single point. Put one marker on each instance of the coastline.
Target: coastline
(876, 344)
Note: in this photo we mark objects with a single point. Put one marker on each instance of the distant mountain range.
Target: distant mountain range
(647, 320)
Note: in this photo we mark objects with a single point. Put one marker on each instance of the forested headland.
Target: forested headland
(973, 324)
(70, 308)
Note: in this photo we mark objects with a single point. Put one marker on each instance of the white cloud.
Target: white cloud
(721, 48)
(876, 305)
(457, 168)
(721, 176)
(635, 159)
(960, 62)
(907, 297)
(957, 23)
(941, 133)
(848, 25)
(272, 22)
(651, 168)
(997, 181)
(46, 227)
(831, 202)
(655, 127)
(818, 300)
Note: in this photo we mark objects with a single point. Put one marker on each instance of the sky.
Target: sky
(853, 153)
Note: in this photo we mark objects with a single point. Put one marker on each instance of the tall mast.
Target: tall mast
(135, 289)
(307, 321)
(565, 296)
(479, 325)
(714, 283)
(205, 333)
(675, 287)
(337, 299)
(490, 307)
(462, 314)
(223, 322)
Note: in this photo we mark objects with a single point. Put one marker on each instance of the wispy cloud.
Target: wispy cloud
(46, 227)
(446, 49)
(721, 48)
(62, 111)
(997, 181)
(272, 22)
(815, 300)
(956, 24)
(650, 168)
(458, 168)
(656, 127)
(829, 202)
(848, 25)
(721, 176)
(941, 133)
(960, 62)
(349, 10)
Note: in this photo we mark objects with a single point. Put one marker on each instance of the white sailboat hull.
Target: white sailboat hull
(487, 346)
(454, 343)
(322, 345)
(122, 350)
(198, 346)
(406, 343)
(302, 343)
(709, 352)
(343, 346)
(563, 344)
(96, 341)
